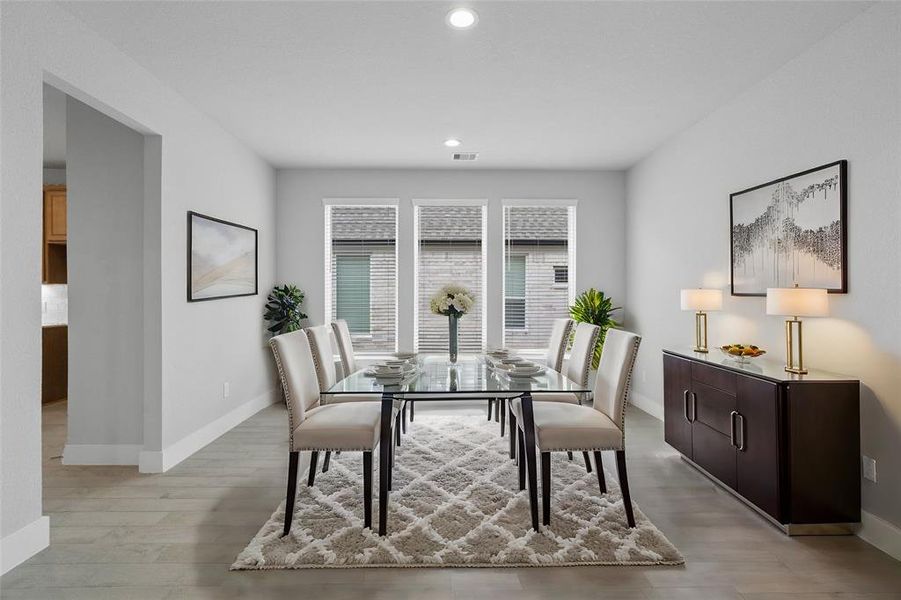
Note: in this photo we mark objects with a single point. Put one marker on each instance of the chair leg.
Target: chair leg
(522, 461)
(326, 461)
(397, 429)
(497, 410)
(599, 465)
(502, 408)
(293, 460)
(367, 490)
(587, 462)
(624, 486)
(391, 470)
(412, 409)
(514, 431)
(546, 487)
(569, 454)
(490, 406)
(403, 420)
(314, 458)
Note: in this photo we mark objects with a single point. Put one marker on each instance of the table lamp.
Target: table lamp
(701, 300)
(796, 302)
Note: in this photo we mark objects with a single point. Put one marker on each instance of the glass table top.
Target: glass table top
(471, 375)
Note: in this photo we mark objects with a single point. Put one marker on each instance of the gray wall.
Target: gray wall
(198, 166)
(600, 234)
(105, 253)
(838, 100)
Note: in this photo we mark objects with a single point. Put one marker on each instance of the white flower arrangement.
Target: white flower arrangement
(452, 300)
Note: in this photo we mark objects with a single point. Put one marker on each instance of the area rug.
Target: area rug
(455, 503)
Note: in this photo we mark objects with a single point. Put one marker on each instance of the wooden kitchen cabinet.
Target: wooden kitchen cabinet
(55, 213)
(788, 445)
(55, 369)
(55, 235)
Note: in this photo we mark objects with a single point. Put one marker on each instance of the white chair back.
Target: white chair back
(581, 353)
(345, 346)
(556, 344)
(320, 338)
(297, 374)
(611, 388)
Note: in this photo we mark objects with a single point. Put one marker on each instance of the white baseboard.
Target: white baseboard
(880, 533)
(642, 402)
(162, 461)
(21, 545)
(101, 454)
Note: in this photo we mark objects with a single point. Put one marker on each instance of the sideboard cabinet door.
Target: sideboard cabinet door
(757, 469)
(676, 405)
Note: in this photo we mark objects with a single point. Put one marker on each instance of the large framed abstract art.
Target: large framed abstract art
(791, 231)
(222, 259)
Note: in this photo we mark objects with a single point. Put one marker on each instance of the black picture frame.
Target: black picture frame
(190, 251)
(842, 187)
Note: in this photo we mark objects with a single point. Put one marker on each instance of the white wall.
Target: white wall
(105, 205)
(199, 167)
(839, 100)
(600, 236)
(54, 130)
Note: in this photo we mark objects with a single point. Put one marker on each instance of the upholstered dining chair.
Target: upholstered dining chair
(556, 349)
(315, 427)
(567, 427)
(349, 363)
(320, 338)
(576, 369)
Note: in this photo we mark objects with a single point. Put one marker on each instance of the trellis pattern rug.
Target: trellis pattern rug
(456, 503)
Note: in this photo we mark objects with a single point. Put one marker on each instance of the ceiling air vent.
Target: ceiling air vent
(466, 155)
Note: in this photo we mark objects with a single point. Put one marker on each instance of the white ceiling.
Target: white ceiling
(533, 85)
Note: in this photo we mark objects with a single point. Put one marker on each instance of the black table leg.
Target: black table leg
(385, 446)
(528, 422)
(513, 432)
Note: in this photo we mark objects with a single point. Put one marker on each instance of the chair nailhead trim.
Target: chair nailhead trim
(284, 381)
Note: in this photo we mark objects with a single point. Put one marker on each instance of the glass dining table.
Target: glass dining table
(471, 377)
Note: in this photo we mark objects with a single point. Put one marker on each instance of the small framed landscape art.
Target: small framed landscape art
(791, 231)
(222, 259)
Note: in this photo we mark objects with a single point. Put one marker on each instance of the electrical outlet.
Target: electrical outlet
(225, 390)
(869, 468)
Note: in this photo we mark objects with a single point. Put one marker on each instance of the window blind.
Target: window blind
(537, 256)
(449, 251)
(361, 273)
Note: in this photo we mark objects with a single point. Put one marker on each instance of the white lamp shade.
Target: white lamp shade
(797, 302)
(700, 299)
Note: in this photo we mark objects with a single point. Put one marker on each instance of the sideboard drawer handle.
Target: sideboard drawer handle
(732, 416)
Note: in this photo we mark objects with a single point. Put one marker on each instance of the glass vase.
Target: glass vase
(452, 337)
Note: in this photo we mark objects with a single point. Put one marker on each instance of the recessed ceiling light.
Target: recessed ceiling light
(452, 143)
(462, 18)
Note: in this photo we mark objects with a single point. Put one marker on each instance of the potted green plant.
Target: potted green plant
(592, 306)
(284, 309)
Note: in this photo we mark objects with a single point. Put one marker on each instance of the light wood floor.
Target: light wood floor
(119, 534)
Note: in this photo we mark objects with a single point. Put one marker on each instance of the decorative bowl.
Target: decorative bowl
(742, 359)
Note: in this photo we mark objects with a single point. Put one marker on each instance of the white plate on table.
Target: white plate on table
(525, 374)
(516, 360)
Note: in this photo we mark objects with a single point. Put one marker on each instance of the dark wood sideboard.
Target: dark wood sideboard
(788, 445)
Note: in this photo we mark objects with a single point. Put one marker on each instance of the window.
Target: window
(561, 274)
(361, 272)
(515, 298)
(538, 257)
(449, 250)
(352, 287)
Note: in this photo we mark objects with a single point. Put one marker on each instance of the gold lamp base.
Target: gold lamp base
(700, 332)
(790, 366)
